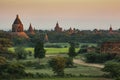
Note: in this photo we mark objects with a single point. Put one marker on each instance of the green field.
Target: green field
(70, 79)
(63, 48)
(48, 50)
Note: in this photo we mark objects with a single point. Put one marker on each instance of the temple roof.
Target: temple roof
(17, 20)
(30, 28)
(57, 25)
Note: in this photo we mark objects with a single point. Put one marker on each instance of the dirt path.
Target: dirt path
(78, 61)
(81, 62)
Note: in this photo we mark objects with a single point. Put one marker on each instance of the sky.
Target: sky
(43, 14)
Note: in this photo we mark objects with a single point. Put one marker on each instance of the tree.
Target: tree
(113, 68)
(39, 51)
(12, 71)
(4, 41)
(72, 52)
(58, 65)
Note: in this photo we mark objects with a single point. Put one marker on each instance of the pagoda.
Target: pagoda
(30, 30)
(18, 29)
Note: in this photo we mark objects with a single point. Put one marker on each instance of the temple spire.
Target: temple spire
(30, 30)
(17, 16)
(58, 28)
(57, 24)
(110, 29)
(17, 25)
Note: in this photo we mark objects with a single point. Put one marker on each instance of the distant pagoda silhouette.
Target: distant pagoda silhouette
(110, 29)
(30, 30)
(18, 29)
(57, 28)
(17, 25)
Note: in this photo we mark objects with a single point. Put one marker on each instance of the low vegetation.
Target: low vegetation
(23, 64)
(99, 57)
(113, 68)
(58, 65)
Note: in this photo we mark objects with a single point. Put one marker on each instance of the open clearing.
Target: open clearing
(87, 64)
(48, 50)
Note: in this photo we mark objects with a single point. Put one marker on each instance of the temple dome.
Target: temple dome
(17, 20)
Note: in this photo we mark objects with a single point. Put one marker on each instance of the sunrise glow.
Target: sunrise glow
(45, 13)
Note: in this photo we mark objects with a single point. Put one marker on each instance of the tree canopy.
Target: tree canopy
(39, 51)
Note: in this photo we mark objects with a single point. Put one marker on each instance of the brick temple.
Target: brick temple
(110, 47)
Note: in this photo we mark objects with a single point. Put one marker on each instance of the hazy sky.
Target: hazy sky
(43, 14)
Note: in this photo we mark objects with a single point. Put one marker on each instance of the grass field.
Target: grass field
(84, 70)
(79, 69)
(70, 79)
(52, 50)
(48, 50)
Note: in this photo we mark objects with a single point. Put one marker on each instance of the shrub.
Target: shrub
(69, 62)
(117, 58)
(98, 58)
(35, 65)
(58, 65)
(20, 53)
(82, 50)
(12, 71)
(113, 68)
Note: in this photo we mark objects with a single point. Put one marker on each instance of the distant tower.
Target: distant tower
(71, 31)
(30, 30)
(110, 29)
(58, 28)
(96, 31)
(17, 28)
(17, 25)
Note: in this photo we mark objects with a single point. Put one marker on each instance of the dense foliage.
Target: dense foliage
(113, 68)
(58, 65)
(11, 71)
(63, 37)
(4, 41)
(39, 51)
(98, 57)
(21, 53)
(72, 52)
(69, 62)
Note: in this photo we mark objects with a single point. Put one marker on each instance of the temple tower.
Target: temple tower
(17, 28)
(17, 25)
(30, 30)
(110, 29)
(58, 28)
